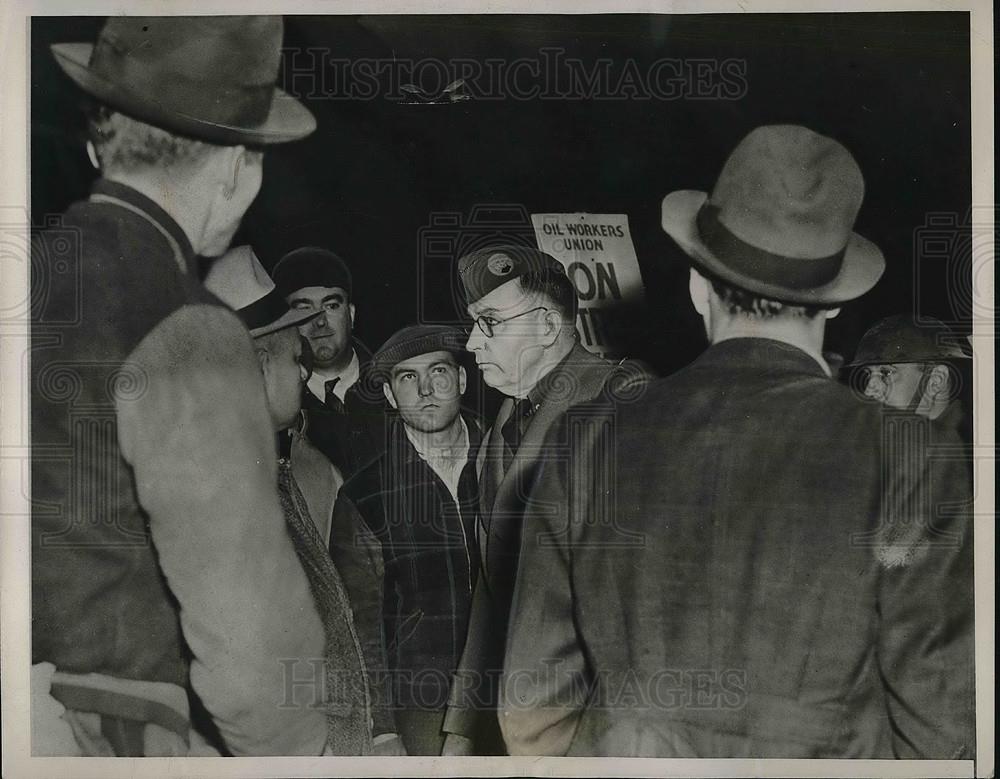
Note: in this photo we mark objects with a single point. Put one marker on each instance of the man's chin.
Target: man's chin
(325, 357)
(424, 425)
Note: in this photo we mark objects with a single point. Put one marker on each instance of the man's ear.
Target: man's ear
(553, 326)
(92, 155)
(263, 359)
(831, 313)
(462, 380)
(698, 289)
(387, 391)
(939, 381)
(230, 160)
(350, 307)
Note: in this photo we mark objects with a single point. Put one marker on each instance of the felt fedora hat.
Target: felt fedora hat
(207, 77)
(779, 222)
(240, 281)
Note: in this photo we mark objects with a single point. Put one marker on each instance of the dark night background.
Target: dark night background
(892, 87)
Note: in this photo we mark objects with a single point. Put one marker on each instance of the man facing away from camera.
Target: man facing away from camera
(739, 564)
(525, 343)
(140, 543)
(417, 506)
(345, 418)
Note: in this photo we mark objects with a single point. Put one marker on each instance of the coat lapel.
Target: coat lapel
(504, 500)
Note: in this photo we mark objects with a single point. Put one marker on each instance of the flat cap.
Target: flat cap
(311, 266)
(412, 341)
(483, 270)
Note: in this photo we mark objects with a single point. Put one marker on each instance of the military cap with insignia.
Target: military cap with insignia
(483, 270)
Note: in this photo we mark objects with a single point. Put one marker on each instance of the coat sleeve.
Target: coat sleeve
(471, 688)
(193, 424)
(545, 672)
(357, 555)
(925, 605)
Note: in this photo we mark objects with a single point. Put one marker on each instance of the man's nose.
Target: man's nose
(875, 388)
(426, 386)
(475, 339)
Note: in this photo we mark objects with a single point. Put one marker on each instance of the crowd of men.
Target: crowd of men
(270, 541)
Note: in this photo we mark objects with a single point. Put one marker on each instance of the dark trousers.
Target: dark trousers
(420, 730)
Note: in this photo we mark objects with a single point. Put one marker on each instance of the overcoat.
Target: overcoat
(580, 377)
(749, 561)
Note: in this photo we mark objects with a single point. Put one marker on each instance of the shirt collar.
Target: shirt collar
(348, 378)
(133, 200)
(432, 453)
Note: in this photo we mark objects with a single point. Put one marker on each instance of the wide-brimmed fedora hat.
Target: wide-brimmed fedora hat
(208, 77)
(240, 281)
(779, 222)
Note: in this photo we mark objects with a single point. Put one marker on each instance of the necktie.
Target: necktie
(513, 429)
(331, 400)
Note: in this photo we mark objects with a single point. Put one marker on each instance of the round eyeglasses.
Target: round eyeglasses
(487, 324)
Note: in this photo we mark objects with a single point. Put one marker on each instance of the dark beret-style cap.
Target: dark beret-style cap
(483, 270)
(311, 266)
(412, 341)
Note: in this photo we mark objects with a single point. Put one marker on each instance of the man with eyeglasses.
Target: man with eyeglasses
(343, 420)
(524, 339)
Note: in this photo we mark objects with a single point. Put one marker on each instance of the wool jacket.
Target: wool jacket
(346, 694)
(413, 585)
(156, 529)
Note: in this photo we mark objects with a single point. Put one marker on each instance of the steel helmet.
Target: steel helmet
(898, 339)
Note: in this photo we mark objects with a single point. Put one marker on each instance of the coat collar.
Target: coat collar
(564, 376)
(761, 354)
(105, 191)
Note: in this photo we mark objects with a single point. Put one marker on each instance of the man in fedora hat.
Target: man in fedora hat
(525, 342)
(417, 501)
(165, 485)
(763, 579)
(307, 486)
(346, 416)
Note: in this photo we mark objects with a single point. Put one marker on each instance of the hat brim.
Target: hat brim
(287, 120)
(958, 359)
(291, 319)
(861, 269)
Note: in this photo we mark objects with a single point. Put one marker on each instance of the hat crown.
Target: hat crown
(312, 266)
(238, 279)
(412, 341)
(207, 77)
(901, 339)
(790, 191)
(220, 52)
(483, 270)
